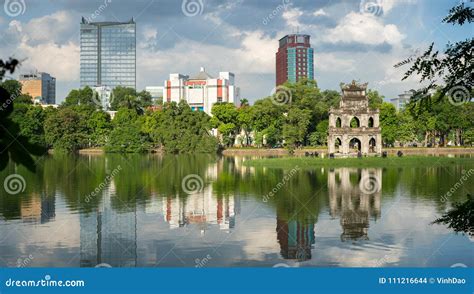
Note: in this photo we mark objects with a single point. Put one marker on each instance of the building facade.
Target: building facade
(156, 93)
(108, 54)
(40, 85)
(201, 91)
(354, 127)
(102, 96)
(294, 59)
(402, 100)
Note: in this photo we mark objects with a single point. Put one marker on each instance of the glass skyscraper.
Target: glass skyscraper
(108, 54)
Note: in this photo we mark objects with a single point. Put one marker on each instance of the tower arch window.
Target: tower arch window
(355, 122)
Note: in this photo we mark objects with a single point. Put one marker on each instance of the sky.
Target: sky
(352, 40)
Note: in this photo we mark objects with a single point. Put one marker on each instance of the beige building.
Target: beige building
(354, 127)
(41, 86)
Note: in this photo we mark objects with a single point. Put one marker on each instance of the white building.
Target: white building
(156, 93)
(202, 90)
(102, 96)
(402, 100)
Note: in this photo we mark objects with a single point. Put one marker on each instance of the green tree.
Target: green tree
(375, 99)
(296, 126)
(127, 135)
(225, 120)
(454, 66)
(389, 123)
(65, 131)
(84, 96)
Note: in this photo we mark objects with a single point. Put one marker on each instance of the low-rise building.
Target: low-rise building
(156, 93)
(201, 91)
(402, 100)
(39, 85)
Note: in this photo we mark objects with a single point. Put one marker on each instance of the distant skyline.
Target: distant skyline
(349, 41)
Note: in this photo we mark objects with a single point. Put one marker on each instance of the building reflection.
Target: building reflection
(202, 208)
(108, 235)
(354, 197)
(38, 209)
(296, 239)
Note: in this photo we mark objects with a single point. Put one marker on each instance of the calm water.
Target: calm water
(206, 211)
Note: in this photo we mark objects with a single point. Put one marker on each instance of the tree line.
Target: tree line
(295, 116)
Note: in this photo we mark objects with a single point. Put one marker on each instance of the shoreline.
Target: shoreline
(391, 151)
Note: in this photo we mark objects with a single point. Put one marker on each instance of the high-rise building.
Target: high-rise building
(108, 54)
(402, 100)
(294, 59)
(201, 91)
(40, 85)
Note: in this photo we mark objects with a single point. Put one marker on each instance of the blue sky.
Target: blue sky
(241, 36)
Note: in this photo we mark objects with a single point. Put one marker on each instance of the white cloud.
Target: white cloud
(320, 12)
(291, 17)
(364, 29)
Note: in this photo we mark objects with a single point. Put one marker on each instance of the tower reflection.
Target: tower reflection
(354, 197)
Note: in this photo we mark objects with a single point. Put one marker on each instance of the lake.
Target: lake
(212, 211)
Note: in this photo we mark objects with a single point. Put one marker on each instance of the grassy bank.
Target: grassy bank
(408, 161)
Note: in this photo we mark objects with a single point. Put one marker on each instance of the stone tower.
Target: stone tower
(354, 127)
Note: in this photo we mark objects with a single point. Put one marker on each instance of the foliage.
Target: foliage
(225, 119)
(13, 145)
(65, 131)
(126, 135)
(178, 129)
(454, 66)
(461, 217)
(123, 97)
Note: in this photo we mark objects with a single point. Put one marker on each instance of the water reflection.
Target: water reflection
(354, 197)
(143, 217)
(108, 236)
